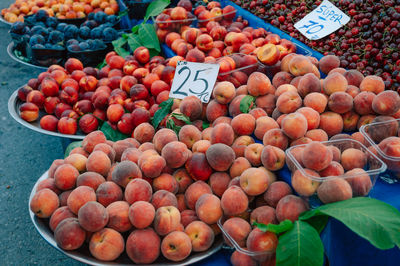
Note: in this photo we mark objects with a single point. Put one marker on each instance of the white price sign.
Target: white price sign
(194, 79)
(322, 21)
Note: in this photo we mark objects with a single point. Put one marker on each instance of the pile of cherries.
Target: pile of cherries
(370, 42)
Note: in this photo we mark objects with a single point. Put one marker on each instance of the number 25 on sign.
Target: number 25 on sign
(322, 21)
(194, 79)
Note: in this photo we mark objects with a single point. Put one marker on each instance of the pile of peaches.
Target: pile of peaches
(217, 34)
(62, 9)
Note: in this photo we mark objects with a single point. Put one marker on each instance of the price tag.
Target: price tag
(194, 79)
(322, 21)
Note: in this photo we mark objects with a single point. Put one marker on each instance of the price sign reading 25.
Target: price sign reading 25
(322, 21)
(194, 79)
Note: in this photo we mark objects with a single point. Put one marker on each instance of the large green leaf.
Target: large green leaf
(133, 42)
(148, 36)
(112, 134)
(300, 246)
(374, 220)
(284, 226)
(246, 103)
(155, 8)
(72, 146)
(165, 108)
(121, 51)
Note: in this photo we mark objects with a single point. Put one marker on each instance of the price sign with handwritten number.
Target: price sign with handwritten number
(322, 21)
(194, 79)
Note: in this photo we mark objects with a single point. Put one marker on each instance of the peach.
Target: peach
(48, 183)
(266, 102)
(143, 246)
(275, 137)
(254, 181)
(194, 191)
(268, 54)
(328, 62)
(350, 120)
(44, 203)
(183, 179)
(234, 201)
(352, 90)
(354, 77)
(363, 102)
(79, 197)
(334, 83)
(144, 132)
(259, 84)
(65, 176)
(353, 158)
(294, 125)
(285, 62)
(272, 158)
(69, 235)
(201, 146)
(234, 106)
(162, 137)
(197, 166)
(386, 103)
(359, 181)
(317, 135)
(108, 192)
(224, 92)
(166, 182)
(316, 101)
(316, 156)
(106, 244)
(118, 216)
(175, 154)
(124, 172)
(364, 120)
(335, 189)
(238, 229)
(281, 78)
(340, 102)
(92, 139)
(331, 123)
(333, 169)
(290, 207)
(59, 215)
(300, 65)
(176, 246)
(373, 84)
(200, 234)
(258, 112)
(312, 117)
(243, 124)
(240, 144)
(220, 156)
(188, 135)
(275, 192)
(215, 110)
(222, 133)
(219, 182)
(141, 214)
(261, 241)
(131, 154)
(163, 198)
(138, 190)
(151, 164)
(308, 83)
(380, 132)
(239, 258)
(93, 216)
(166, 220)
(300, 141)
(304, 183)
(208, 208)
(29, 112)
(253, 153)
(264, 215)
(238, 167)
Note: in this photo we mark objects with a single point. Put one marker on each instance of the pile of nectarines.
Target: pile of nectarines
(65, 9)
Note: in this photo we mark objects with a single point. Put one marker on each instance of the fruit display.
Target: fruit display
(44, 41)
(368, 43)
(354, 167)
(384, 137)
(61, 9)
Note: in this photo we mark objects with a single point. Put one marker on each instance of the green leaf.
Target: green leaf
(153, 52)
(148, 36)
(206, 125)
(162, 113)
(123, 13)
(72, 146)
(246, 103)
(182, 117)
(372, 219)
(155, 8)
(171, 125)
(102, 64)
(135, 29)
(119, 42)
(275, 228)
(112, 134)
(300, 246)
(318, 222)
(121, 51)
(133, 42)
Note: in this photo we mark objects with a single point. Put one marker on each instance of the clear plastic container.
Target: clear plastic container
(241, 67)
(259, 256)
(377, 135)
(173, 25)
(360, 183)
(203, 22)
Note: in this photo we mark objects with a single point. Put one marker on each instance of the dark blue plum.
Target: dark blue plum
(84, 32)
(99, 44)
(41, 15)
(17, 27)
(39, 30)
(100, 17)
(38, 46)
(72, 41)
(56, 37)
(92, 44)
(74, 47)
(48, 45)
(110, 34)
(57, 47)
(36, 39)
(84, 46)
(112, 19)
(51, 22)
(91, 16)
(61, 27)
(96, 33)
(90, 23)
(71, 32)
